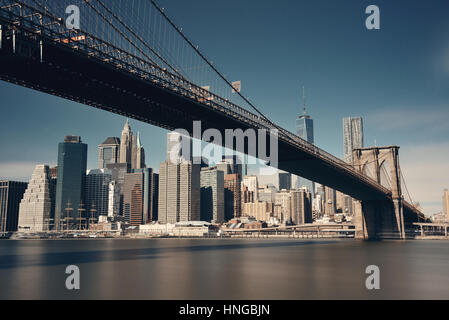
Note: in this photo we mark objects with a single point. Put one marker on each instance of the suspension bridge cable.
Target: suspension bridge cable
(405, 185)
(137, 36)
(120, 32)
(212, 66)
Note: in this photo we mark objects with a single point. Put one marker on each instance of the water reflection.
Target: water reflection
(223, 269)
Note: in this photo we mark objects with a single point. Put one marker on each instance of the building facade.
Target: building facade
(300, 206)
(97, 192)
(11, 193)
(304, 130)
(133, 198)
(352, 136)
(285, 180)
(261, 211)
(283, 200)
(131, 149)
(114, 199)
(330, 201)
(36, 206)
(179, 192)
(108, 152)
(251, 182)
(233, 201)
(70, 186)
(212, 195)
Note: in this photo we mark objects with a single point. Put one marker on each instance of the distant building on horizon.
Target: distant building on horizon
(304, 129)
(36, 208)
(11, 193)
(352, 136)
(446, 203)
(70, 186)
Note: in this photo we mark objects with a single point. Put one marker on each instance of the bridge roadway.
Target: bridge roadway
(42, 55)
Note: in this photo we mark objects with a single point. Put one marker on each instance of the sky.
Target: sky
(396, 78)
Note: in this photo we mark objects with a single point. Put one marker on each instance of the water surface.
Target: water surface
(223, 269)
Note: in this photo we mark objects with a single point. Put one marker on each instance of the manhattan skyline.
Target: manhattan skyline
(402, 101)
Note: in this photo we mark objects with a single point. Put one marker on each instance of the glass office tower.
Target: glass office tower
(70, 186)
(304, 129)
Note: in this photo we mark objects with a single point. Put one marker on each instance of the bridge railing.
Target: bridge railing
(49, 27)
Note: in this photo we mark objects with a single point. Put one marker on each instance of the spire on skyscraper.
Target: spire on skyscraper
(304, 100)
(127, 127)
(139, 145)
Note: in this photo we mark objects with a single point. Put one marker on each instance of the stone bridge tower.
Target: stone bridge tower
(376, 219)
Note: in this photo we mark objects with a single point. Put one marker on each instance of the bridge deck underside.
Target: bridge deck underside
(73, 75)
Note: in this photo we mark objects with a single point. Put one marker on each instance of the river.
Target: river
(223, 269)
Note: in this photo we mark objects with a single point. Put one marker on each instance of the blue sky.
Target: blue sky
(396, 78)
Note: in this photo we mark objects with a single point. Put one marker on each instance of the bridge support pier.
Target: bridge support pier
(377, 219)
(380, 219)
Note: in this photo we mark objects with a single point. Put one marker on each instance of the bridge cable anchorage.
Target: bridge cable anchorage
(195, 48)
(135, 35)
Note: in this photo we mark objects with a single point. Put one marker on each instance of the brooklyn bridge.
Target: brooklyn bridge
(130, 58)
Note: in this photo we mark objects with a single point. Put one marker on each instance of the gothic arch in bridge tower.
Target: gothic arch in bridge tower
(385, 174)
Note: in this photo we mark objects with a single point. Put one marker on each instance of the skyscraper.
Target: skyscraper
(70, 187)
(114, 199)
(140, 154)
(446, 203)
(285, 180)
(108, 152)
(251, 182)
(131, 149)
(133, 198)
(352, 136)
(11, 192)
(126, 144)
(150, 194)
(179, 192)
(36, 205)
(330, 206)
(119, 170)
(212, 195)
(304, 129)
(97, 192)
(301, 206)
(233, 191)
(283, 200)
(178, 147)
(232, 164)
